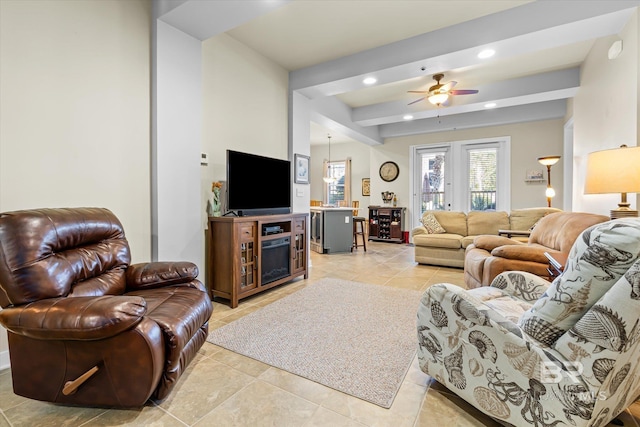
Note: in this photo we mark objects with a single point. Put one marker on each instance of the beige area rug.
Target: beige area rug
(354, 337)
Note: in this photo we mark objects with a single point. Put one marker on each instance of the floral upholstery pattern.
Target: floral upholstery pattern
(476, 343)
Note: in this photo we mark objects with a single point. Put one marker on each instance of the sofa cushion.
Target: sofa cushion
(524, 219)
(599, 257)
(486, 222)
(432, 225)
(489, 243)
(453, 222)
(467, 240)
(447, 240)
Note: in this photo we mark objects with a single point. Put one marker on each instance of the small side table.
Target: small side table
(556, 264)
(511, 233)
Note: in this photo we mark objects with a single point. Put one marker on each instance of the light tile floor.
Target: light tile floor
(222, 388)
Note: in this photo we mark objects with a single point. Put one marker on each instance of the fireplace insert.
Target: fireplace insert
(276, 259)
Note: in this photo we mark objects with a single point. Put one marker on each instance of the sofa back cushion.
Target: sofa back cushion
(524, 219)
(560, 230)
(599, 257)
(479, 222)
(453, 222)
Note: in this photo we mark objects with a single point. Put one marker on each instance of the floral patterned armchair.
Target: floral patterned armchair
(528, 352)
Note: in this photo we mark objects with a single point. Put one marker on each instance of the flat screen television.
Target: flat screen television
(257, 185)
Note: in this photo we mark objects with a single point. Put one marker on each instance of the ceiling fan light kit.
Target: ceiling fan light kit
(438, 98)
(439, 93)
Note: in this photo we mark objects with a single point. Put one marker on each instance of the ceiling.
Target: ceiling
(330, 46)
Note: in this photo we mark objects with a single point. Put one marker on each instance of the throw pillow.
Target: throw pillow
(432, 225)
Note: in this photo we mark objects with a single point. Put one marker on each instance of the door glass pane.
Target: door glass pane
(482, 164)
(433, 182)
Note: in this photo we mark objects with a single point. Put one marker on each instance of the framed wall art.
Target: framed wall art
(366, 186)
(301, 169)
(534, 175)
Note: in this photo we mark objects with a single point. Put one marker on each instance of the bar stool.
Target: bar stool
(358, 220)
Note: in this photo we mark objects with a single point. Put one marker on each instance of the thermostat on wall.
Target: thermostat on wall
(204, 159)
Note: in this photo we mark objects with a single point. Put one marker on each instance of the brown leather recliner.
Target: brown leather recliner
(84, 326)
(489, 256)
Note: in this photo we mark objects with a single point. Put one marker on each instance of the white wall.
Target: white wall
(528, 142)
(245, 108)
(299, 135)
(74, 79)
(606, 111)
(177, 145)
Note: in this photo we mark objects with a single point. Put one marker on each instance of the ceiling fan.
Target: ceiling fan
(439, 93)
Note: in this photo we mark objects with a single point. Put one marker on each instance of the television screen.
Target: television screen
(257, 185)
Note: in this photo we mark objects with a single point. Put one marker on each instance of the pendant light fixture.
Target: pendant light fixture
(328, 178)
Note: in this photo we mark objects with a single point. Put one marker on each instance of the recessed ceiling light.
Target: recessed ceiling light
(487, 53)
(490, 105)
(407, 117)
(369, 80)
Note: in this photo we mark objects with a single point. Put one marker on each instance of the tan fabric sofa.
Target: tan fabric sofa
(448, 249)
(488, 256)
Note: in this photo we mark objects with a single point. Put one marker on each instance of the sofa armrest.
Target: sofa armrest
(421, 229)
(159, 274)
(75, 318)
(489, 242)
(523, 253)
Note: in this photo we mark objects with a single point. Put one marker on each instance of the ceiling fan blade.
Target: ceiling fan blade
(447, 86)
(417, 100)
(463, 92)
(446, 103)
(417, 91)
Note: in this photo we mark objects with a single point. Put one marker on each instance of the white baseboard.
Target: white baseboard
(4, 360)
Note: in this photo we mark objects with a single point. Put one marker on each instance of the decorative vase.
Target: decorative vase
(216, 202)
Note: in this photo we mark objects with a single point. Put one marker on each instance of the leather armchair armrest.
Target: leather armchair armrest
(489, 242)
(75, 318)
(523, 253)
(158, 274)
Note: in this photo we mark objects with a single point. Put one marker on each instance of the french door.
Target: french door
(461, 176)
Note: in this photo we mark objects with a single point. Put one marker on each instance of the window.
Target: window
(335, 190)
(482, 166)
(461, 176)
(338, 192)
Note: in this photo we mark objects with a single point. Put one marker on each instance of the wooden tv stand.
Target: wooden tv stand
(250, 254)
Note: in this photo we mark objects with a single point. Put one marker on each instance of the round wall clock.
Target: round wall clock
(389, 171)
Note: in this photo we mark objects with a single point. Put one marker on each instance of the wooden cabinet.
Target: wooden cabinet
(386, 223)
(299, 246)
(247, 255)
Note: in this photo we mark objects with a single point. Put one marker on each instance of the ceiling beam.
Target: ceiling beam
(524, 90)
(205, 19)
(533, 26)
(495, 117)
(335, 115)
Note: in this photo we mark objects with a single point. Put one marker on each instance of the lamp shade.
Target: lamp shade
(548, 160)
(613, 171)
